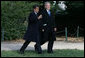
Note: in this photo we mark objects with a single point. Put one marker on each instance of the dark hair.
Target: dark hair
(35, 6)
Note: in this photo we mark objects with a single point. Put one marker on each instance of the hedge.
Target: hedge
(13, 18)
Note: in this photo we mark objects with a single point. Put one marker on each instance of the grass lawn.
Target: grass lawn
(57, 53)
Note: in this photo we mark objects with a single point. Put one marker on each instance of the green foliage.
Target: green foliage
(13, 15)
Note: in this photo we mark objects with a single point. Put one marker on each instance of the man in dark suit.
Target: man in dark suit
(48, 28)
(32, 33)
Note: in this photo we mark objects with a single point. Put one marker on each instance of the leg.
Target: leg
(24, 46)
(41, 43)
(37, 45)
(51, 41)
(38, 48)
(50, 46)
(45, 37)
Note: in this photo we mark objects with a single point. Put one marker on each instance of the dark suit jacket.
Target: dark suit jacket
(32, 33)
(49, 28)
(49, 20)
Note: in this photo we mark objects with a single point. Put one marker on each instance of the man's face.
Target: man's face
(36, 9)
(47, 6)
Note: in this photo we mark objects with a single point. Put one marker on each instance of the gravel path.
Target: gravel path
(57, 45)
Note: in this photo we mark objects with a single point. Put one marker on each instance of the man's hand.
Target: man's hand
(55, 29)
(40, 17)
(43, 30)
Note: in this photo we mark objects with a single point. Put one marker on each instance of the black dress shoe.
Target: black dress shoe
(38, 49)
(50, 51)
(39, 52)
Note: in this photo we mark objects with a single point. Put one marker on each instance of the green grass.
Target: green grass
(57, 53)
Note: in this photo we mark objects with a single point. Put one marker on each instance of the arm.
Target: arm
(54, 25)
(32, 18)
(44, 19)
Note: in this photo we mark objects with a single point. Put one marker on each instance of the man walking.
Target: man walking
(48, 28)
(32, 33)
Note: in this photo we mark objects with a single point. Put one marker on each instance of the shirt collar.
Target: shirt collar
(47, 10)
(35, 13)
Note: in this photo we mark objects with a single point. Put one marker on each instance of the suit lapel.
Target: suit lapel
(34, 14)
(47, 13)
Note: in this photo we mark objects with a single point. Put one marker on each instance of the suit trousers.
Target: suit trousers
(48, 35)
(26, 43)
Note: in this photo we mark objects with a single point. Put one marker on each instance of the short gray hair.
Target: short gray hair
(46, 3)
